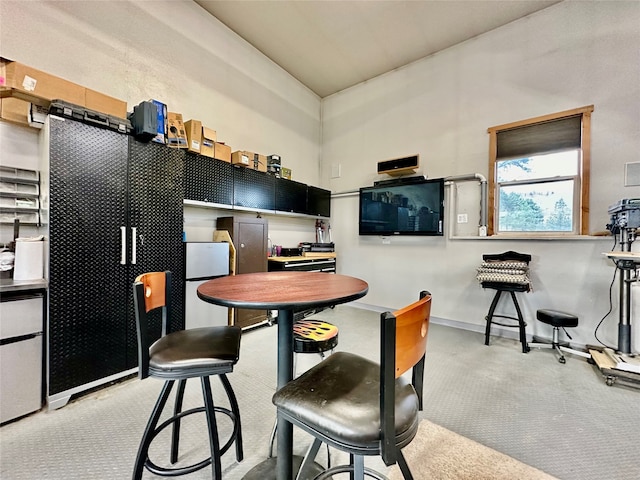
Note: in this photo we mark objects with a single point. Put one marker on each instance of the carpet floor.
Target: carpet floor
(440, 454)
(561, 419)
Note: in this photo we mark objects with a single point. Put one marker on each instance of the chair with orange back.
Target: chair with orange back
(360, 406)
(178, 356)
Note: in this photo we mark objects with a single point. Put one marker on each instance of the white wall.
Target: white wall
(175, 52)
(569, 55)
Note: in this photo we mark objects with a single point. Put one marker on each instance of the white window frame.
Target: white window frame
(581, 180)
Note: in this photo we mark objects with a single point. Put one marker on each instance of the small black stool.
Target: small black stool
(558, 320)
(506, 272)
(512, 288)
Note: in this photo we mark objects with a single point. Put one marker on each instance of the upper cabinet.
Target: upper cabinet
(214, 183)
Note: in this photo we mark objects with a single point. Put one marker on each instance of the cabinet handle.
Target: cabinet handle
(134, 242)
(123, 245)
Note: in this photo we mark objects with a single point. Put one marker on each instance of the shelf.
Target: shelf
(19, 196)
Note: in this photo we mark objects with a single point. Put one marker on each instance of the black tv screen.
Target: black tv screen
(408, 207)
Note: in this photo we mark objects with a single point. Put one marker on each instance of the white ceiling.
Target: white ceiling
(330, 45)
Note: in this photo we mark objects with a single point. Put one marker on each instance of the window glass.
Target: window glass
(540, 166)
(536, 207)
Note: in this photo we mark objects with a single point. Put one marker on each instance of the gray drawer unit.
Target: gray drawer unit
(21, 359)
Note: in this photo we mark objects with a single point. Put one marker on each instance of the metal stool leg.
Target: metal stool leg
(521, 324)
(235, 409)
(214, 442)
(147, 437)
(177, 408)
(489, 316)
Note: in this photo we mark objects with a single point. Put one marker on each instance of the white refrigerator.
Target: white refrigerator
(204, 261)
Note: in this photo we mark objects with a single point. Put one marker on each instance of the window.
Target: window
(539, 175)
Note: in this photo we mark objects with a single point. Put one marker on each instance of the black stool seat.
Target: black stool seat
(506, 287)
(314, 336)
(556, 318)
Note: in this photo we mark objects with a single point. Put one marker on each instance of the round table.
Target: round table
(285, 292)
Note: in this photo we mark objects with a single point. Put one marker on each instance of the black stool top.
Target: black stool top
(314, 336)
(506, 287)
(556, 318)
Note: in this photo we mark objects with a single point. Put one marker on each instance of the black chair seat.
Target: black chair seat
(557, 318)
(346, 389)
(195, 352)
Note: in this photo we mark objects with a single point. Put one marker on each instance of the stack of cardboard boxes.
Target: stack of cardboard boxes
(23, 88)
(27, 93)
(202, 140)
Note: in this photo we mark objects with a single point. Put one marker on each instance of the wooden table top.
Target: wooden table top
(282, 290)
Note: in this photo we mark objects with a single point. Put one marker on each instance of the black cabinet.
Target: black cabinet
(208, 180)
(318, 201)
(253, 189)
(291, 196)
(224, 185)
(115, 211)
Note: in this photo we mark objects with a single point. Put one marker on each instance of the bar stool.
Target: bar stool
(558, 320)
(310, 336)
(506, 272)
(175, 357)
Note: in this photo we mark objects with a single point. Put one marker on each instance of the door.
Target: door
(87, 267)
(249, 236)
(156, 193)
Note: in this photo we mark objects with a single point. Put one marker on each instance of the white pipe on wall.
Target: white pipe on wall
(450, 181)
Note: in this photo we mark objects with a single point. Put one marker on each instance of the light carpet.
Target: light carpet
(437, 453)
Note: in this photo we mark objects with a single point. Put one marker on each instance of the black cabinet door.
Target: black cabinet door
(208, 180)
(87, 281)
(318, 201)
(291, 196)
(156, 192)
(253, 189)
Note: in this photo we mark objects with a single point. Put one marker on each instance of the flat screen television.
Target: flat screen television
(407, 207)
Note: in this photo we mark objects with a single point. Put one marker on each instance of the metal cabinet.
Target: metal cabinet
(115, 211)
(21, 366)
(249, 236)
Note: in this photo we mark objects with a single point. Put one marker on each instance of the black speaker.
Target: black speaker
(144, 120)
(399, 166)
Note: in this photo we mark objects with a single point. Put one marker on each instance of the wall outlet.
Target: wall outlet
(462, 218)
(336, 170)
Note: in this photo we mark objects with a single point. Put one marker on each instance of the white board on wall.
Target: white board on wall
(19, 146)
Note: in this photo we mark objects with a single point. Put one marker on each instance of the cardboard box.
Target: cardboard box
(242, 157)
(222, 152)
(38, 87)
(161, 137)
(105, 104)
(194, 135)
(208, 143)
(176, 133)
(15, 110)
